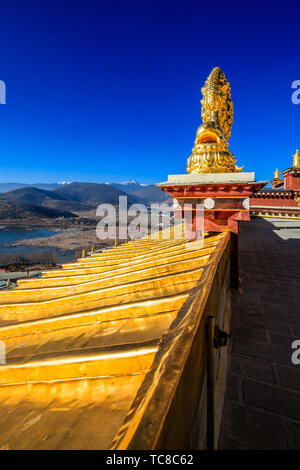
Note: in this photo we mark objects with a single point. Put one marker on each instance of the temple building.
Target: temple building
(283, 199)
(126, 348)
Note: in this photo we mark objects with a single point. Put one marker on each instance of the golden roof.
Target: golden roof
(81, 340)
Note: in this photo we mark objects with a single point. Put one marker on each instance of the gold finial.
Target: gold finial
(8, 283)
(93, 249)
(210, 153)
(276, 174)
(296, 161)
(83, 253)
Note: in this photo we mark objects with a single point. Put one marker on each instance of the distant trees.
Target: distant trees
(34, 257)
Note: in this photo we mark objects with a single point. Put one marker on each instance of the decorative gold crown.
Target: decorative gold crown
(210, 153)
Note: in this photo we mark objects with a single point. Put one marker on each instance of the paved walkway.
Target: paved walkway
(262, 402)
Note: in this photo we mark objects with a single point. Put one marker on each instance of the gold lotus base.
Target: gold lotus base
(211, 159)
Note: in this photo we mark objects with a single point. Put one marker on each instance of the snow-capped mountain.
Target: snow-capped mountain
(147, 192)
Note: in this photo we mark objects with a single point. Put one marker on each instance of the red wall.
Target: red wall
(272, 201)
(292, 182)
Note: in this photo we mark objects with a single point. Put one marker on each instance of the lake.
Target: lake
(9, 234)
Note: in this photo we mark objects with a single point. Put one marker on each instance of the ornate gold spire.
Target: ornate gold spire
(210, 153)
(296, 162)
(276, 174)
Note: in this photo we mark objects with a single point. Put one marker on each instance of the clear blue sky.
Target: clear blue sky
(110, 90)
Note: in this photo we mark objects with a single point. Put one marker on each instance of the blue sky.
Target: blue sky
(110, 90)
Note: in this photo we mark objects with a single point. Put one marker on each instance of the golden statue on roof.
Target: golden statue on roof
(210, 153)
(296, 161)
(276, 174)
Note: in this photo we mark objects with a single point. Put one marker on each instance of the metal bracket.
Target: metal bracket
(220, 338)
(216, 338)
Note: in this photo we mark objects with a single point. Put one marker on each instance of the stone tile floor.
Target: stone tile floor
(262, 402)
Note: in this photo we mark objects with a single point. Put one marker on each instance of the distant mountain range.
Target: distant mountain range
(23, 210)
(149, 193)
(69, 199)
(4, 187)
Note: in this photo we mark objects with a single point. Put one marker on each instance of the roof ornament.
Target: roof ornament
(276, 174)
(296, 162)
(210, 153)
